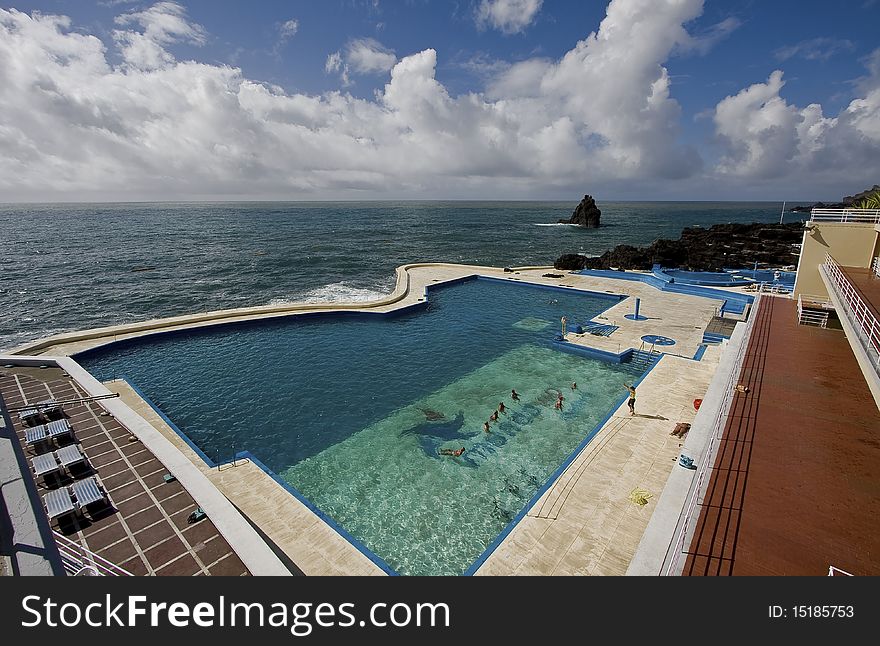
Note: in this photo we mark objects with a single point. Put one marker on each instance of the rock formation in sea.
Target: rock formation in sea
(698, 249)
(586, 214)
(846, 203)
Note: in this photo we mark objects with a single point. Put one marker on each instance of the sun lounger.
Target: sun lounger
(48, 406)
(58, 428)
(35, 435)
(30, 415)
(58, 503)
(45, 464)
(88, 491)
(70, 455)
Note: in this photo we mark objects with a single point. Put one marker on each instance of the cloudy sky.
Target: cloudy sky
(433, 99)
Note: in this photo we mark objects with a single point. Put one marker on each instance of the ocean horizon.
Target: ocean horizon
(77, 265)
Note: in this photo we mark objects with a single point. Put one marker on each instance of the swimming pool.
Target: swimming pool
(352, 409)
(707, 278)
(785, 278)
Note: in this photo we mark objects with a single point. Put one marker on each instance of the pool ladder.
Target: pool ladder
(644, 358)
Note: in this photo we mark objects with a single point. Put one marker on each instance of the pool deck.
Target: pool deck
(145, 528)
(586, 523)
(794, 484)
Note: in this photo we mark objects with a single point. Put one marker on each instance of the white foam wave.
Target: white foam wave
(334, 293)
(557, 224)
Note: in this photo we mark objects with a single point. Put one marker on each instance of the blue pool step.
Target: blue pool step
(643, 359)
(712, 337)
(599, 329)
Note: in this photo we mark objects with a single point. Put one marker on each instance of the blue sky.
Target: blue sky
(824, 54)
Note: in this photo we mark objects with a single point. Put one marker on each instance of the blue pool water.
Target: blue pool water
(352, 410)
(708, 278)
(786, 278)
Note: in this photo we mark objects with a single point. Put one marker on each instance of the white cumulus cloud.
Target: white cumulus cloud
(360, 56)
(766, 138)
(77, 125)
(507, 16)
(163, 24)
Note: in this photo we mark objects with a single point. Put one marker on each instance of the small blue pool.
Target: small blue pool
(706, 278)
(353, 411)
(655, 339)
(772, 277)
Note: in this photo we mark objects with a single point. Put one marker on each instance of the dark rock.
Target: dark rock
(699, 249)
(586, 214)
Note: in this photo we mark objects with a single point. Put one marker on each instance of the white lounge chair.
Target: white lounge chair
(35, 435)
(30, 415)
(88, 492)
(45, 465)
(48, 406)
(58, 503)
(58, 428)
(70, 455)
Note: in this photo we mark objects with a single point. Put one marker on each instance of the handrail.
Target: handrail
(807, 316)
(846, 215)
(78, 559)
(860, 315)
(720, 422)
(832, 571)
(875, 265)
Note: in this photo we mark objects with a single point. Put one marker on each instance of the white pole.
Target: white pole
(782, 215)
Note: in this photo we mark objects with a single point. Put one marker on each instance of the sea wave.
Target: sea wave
(554, 224)
(334, 293)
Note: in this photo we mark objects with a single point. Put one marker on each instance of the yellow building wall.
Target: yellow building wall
(851, 245)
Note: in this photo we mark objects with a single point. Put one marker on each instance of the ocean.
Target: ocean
(66, 267)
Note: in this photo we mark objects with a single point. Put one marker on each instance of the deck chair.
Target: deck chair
(49, 407)
(30, 415)
(88, 492)
(57, 429)
(35, 435)
(58, 503)
(70, 455)
(45, 465)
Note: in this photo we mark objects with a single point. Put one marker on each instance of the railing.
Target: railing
(859, 314)
(720, 422)
(876, 266)
(868, 216)
(807, 315)
(79, 561)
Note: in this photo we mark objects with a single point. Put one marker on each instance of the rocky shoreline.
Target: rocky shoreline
(699, 249)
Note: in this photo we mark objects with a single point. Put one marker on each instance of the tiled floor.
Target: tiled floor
(146, 530)
(794, 486)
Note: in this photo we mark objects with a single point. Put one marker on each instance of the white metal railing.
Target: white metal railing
(835, 571)
(846, 215)
(859, 314)
(875, 265)
(699, 484)
(79, 561)
(808, 315)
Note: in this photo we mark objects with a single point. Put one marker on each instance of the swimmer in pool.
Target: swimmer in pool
(453, 452)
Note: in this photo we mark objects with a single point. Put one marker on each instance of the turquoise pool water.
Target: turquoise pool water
(353, 410)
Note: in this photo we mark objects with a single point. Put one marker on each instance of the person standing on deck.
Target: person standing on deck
(564, 322)
(632, 398)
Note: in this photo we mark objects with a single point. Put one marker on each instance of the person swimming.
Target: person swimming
(514, 395)
(574, 385)
(494, 417)
(486, 426)
(453, 452)
(501, 407)
(559, 401)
